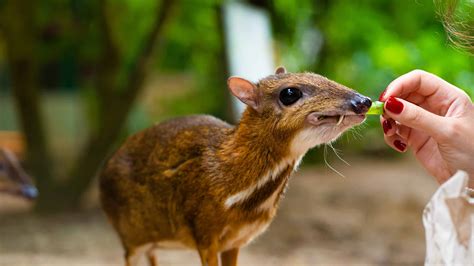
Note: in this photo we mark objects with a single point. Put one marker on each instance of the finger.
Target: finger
(404, 132)
(396, 142)
(437, 106)
(414, 116)
(424, 83)
(433, 161)
(415, 98)
(388, 126)
(414, 138)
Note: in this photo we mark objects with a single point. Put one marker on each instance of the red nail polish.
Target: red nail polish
(382, 95)
(393, 105)
(386, 126)
(400, 145)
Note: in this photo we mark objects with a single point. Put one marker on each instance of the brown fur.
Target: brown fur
(170, 182)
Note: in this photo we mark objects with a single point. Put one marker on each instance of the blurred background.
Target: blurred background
(78, 76)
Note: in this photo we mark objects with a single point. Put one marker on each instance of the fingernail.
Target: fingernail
(394, 105)
(386, 126)
(382, 95)
(399, 145)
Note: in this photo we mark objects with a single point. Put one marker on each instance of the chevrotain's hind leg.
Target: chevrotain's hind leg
(133, 255)
(131, 259)
(208, 256)
(229, 257)
(152, 257)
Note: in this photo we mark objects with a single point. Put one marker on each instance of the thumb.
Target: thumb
(414, 116)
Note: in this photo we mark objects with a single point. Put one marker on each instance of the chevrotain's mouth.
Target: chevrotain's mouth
(339, 118)
(317, 118)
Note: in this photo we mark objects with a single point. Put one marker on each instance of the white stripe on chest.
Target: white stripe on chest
(269, 176)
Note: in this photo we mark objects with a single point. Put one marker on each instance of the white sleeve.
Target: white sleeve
(449, 224)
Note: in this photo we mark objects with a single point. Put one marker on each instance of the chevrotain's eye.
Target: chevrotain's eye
(289, 96)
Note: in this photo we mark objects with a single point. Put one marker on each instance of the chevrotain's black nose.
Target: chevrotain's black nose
(360, 104)
(29, 192)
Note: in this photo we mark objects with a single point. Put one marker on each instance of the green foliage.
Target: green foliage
(367, 44)
(193, 44)
(131, 21)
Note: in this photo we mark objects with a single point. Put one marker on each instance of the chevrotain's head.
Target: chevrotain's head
(13, 179)
(305, 109)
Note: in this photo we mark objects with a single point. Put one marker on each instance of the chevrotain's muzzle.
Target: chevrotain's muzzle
(360, 104)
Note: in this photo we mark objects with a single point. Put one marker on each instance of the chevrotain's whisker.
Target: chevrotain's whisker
(337, 154)
(329, 165)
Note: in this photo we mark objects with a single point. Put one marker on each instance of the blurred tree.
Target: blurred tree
(89, 29)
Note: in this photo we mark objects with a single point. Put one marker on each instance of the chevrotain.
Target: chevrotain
(198, 182)
(13, 178)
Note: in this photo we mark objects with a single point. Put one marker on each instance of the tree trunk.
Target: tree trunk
(20, 50)
(115, 106)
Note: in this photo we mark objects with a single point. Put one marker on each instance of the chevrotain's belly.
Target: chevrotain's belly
(240, 235)
(183, 239)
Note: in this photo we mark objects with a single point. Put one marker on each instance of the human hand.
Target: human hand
(435, 119)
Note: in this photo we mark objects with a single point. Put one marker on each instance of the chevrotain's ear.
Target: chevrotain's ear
(245, 90)
(280, 70)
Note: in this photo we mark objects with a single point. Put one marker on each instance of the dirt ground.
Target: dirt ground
(370, 217)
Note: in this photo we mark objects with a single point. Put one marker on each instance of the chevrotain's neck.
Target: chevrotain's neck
(255, 148)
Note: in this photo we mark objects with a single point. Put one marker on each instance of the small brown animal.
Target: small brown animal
(198, 182)
(13, 179)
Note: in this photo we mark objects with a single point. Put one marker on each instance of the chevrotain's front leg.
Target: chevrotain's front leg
(209, 256)
(152, 257)
(229, 257)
